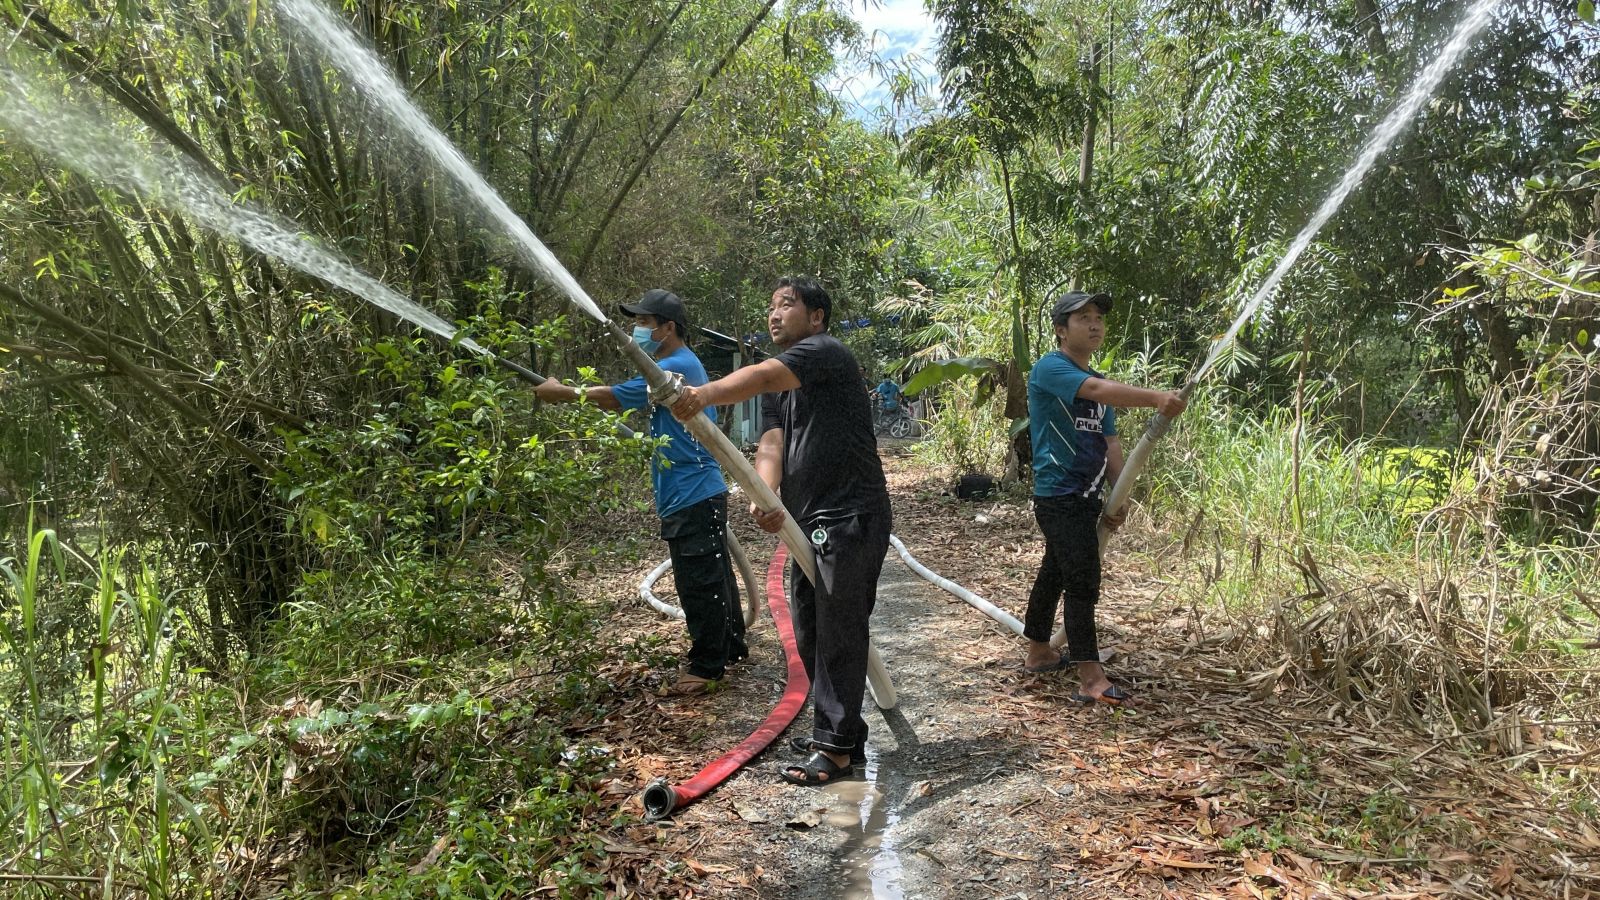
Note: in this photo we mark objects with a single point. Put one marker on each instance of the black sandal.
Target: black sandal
(1113, 696)
(858, 753)
(1061, 663)
(814, 769)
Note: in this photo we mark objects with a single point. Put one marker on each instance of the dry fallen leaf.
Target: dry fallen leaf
(1262, 867)
(1503, 874)
(433, 854)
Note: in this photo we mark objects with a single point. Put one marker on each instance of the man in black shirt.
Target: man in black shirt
(818, 451)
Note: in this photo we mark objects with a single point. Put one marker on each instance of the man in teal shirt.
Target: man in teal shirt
(691, 496)
(888, 395)
(1076, 457)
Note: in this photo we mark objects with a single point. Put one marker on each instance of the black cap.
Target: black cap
(663, 305)
(1072, 301)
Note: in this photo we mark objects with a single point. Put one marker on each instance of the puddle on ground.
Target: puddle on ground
(869, 857)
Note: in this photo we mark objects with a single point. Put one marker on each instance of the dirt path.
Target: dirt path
(987, 782)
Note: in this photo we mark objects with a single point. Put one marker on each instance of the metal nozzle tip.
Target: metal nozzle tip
(659, 800)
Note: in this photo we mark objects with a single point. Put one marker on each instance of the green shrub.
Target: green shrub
(452, 450)
(1416, 480)
(966, 434)
(436, 514)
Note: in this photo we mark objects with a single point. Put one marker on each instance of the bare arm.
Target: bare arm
(1124, 396)
(761, 378)
(1114, 462)
(769, 465)
(1114, 459)
(553, 391)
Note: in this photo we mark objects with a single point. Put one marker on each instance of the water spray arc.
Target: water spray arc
(368, 74)
(85, 140)
(1384, 135)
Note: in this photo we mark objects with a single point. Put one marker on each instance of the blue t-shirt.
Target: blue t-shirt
(683, 472)
(888, 395)
(1069, 432)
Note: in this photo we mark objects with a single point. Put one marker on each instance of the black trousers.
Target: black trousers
(703, 572)
(1068, 575)
(831, 622)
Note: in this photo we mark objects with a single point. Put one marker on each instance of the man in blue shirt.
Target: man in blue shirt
(888, 395)
(691, 496)
(1076, 456)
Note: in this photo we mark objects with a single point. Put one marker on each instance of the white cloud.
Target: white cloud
(900, 23)
(897, 30)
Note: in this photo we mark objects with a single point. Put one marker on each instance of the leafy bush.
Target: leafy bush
(451, 449)
(1416, 480)
(436, 513)
(441, 518)
(965, 434)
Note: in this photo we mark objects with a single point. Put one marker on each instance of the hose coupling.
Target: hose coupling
(666, 393)
(659, 800)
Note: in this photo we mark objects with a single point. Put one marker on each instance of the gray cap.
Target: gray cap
(664, 305)
(1072, 301)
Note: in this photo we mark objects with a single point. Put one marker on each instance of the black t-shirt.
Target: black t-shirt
(831, 469)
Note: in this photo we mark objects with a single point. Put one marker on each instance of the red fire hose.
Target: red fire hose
(660, 798)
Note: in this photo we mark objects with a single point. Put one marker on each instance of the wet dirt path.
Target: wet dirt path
(950, 801)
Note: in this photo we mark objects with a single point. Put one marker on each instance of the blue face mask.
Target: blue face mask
(641, 336)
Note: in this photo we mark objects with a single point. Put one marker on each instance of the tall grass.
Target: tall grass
(368, 727)
(93, 801)
(966, 435)
(1375, 574)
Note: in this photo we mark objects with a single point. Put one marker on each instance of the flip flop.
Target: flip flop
(1061, 663)
(1113, 696)
(858, 753)
(813, 770)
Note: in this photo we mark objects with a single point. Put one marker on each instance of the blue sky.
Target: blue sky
(897, 29)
